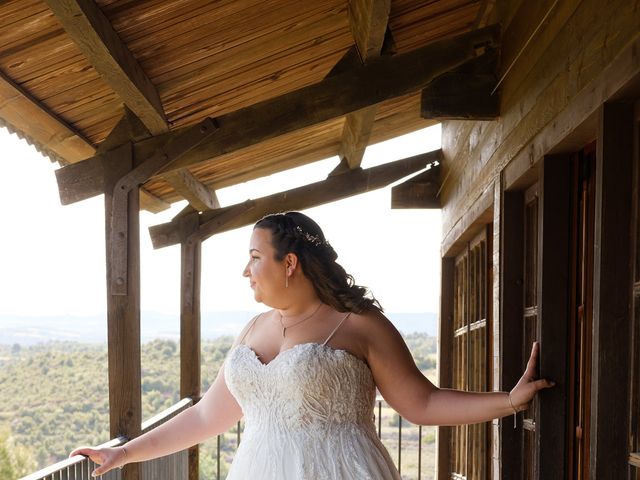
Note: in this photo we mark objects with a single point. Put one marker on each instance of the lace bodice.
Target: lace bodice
(308, 415)
(308, 385)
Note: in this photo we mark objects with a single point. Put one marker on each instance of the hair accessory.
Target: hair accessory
(314, 240)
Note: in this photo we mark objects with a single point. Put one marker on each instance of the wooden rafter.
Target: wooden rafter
(193, 190)
(329, 190)
(50, 133)
(331, 98)
(151, 203)
(419, 191)
(88, 27)
(368, 20)
(464, 93)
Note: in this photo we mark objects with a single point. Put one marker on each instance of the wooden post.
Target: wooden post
(512, 239)
(190, 321)
(612, 279)
(123, 311)
(553, 301)
(445, 362)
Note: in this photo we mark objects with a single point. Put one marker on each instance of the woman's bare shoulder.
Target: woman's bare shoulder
(371, 322)
(370, 327)
(249, 325)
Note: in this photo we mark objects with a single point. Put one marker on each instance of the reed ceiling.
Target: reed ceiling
(204, 59)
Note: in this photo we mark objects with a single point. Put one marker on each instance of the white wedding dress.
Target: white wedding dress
(308, 416)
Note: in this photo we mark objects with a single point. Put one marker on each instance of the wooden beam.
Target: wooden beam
(464, 93)
(319, 193)
(554, 220)
(128, 129)
(349, 61)
(355, 135)
(193, 190)
(445, 358)
(612, 272)
(90, 29)
(190, 275)
(368, 20)
(511, 281)
(151, 203)
(50, 134)
(85, 179)
(420, 191)
(331, 98)
(123, 314)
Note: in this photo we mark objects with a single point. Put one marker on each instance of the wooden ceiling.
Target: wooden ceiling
(69, 67)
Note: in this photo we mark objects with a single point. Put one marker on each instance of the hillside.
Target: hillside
(54, 396)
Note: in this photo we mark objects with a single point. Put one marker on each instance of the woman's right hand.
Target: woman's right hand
(107, 458)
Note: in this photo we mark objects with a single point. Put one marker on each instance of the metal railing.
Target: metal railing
(172, 467)
(404, 441)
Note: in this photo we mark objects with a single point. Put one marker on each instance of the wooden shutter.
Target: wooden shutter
(470, 445)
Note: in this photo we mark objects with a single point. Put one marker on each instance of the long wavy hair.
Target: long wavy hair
(294, 232)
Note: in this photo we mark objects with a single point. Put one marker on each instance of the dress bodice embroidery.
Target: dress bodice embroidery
(308, 415)
(308, 384)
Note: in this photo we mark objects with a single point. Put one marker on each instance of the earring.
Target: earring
(286, 279)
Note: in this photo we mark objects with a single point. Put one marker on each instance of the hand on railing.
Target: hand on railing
(107, 458)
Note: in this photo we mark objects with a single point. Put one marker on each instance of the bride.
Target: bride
(304, 374)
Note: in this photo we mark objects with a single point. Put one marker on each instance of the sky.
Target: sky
(52, 257)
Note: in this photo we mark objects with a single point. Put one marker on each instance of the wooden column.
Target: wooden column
(612, 278)
(123, 311)
(553, 301)
(445, 362)
(190, 321)
(512, 249)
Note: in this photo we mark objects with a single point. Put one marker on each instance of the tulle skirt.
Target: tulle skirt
(343, 452)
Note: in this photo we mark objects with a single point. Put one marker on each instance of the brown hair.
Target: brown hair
(294, 232)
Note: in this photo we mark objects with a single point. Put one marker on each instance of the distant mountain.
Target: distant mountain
(25, 330)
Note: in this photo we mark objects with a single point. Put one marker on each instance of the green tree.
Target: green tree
(15, 460)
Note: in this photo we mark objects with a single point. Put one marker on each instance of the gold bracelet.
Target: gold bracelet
(515, 412)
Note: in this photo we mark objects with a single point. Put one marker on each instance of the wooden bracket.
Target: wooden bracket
(420, 191)
(465, 93)
(136, 177)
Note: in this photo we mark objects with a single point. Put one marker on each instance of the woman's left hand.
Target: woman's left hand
(528, 385)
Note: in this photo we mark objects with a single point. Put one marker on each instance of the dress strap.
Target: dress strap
(336, 329)
(253, 322)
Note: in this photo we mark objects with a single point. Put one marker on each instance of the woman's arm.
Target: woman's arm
(415, 398)
(215, 413)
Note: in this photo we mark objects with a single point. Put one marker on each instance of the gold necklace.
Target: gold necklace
(284, 329)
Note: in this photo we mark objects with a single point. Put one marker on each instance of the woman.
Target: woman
(304, 374)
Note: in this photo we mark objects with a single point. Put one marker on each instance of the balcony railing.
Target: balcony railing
(411, 446)
(172, 467)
